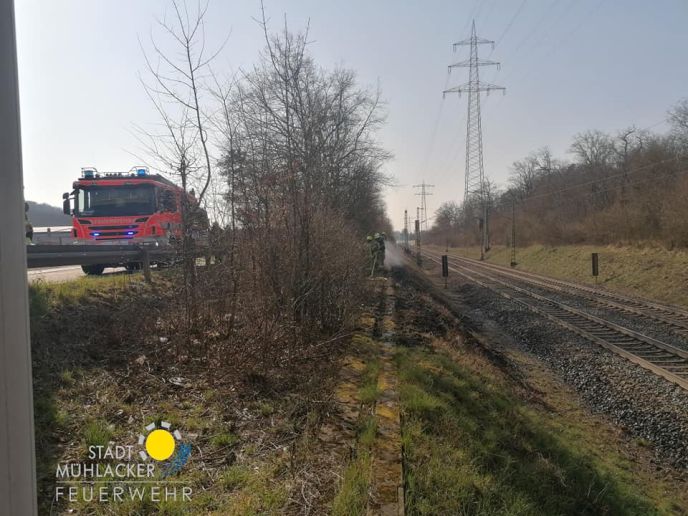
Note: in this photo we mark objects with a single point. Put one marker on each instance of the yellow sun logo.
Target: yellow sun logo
(160, 443)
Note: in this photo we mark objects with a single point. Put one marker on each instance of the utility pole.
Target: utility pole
(17, 460)
(418, 258)
(513, 233)
(406, 233)
(475, 187)
(424, 203)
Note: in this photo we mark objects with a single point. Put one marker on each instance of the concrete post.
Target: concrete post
(17, 460)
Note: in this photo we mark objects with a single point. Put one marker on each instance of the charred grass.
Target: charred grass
(476, 443)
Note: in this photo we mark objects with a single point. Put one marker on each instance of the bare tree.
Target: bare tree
(177, 67)
(593, 148)
(299, 155)
(678, 116)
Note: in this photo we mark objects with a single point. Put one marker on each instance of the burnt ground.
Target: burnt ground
(646, 407)
(507, 375)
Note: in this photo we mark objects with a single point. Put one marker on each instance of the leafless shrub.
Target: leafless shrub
(301, 181)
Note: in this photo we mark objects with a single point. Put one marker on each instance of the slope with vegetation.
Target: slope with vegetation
(646, 271)
(240, 353)
(45, 215)
(623, 188)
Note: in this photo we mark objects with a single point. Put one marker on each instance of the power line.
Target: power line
(435, 126)
(535, 31)
(528, 70)
(508, 25)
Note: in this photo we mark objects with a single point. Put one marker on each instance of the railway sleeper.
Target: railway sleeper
(650, 356)
(674, 361)
(609, 300)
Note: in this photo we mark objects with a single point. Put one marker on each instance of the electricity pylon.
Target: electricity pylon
(475, 174)
(424, 203)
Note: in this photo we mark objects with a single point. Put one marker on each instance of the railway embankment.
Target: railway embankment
(490, 428)
(647, 271)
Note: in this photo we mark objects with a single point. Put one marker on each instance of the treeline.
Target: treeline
(627, 187)
(44, 215)
(284, 158)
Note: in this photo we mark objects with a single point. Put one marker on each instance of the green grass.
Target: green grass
(353, 493)
(235, 477)
(648, 271)
(67, 378)
(471, 448)
(369, 392)
(223, 440)
(265, 408)
(367, 432)
(43, 295)
(97, 433)
(352, 498)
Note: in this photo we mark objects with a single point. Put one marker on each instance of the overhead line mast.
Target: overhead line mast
(475, 187)
(424, 203)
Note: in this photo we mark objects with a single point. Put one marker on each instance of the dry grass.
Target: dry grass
(648, 271)
(106, 363)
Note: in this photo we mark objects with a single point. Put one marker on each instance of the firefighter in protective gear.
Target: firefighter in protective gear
(374, 251)
(376, 244)
(28, 228)
(380, 238)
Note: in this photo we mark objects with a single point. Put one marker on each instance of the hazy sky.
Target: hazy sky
(568, 66)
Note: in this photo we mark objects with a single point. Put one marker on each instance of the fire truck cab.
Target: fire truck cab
(133, 207)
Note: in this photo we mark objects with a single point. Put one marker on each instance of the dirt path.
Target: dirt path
(387, 481)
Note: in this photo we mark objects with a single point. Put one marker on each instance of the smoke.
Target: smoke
(393, 256)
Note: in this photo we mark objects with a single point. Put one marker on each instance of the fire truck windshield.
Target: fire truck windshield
(109, 201)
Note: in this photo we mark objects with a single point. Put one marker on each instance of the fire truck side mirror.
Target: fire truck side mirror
(66, 206)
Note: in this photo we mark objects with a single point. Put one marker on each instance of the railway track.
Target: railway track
(675, 318)
(659, 357)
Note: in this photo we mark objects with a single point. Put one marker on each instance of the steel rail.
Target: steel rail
(637, 302)
(658, 357)
(674, 320)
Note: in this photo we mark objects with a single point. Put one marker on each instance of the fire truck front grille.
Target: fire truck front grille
(108, 228)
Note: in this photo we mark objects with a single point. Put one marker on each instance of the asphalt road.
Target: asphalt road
(66, 273)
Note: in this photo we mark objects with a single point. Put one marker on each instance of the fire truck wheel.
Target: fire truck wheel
(133, 266)
(93, 270)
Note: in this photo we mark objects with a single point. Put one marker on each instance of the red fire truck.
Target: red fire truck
(124, 207)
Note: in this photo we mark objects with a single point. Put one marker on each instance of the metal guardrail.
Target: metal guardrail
(60, 255)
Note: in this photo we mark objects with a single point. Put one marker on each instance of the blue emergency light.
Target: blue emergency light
(141, 171)
(88, 173)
